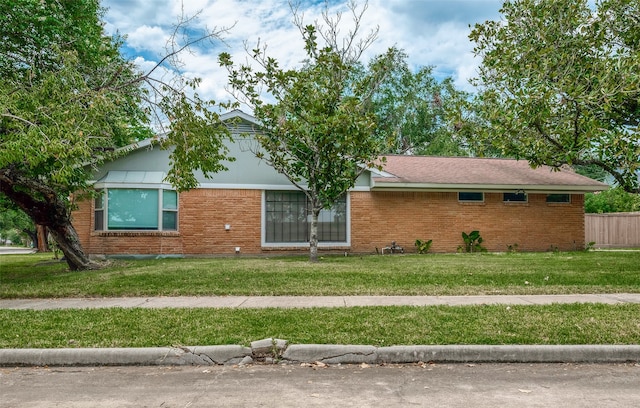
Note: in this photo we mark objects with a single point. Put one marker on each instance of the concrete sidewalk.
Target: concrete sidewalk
(260, 302)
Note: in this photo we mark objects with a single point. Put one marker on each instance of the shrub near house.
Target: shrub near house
(251, 209)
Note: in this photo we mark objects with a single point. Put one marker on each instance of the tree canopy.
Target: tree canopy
(317, 119)
(411, 111)
(69, 99)
(559, 84)
(612, 200)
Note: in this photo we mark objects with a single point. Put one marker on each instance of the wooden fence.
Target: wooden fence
(613, 230)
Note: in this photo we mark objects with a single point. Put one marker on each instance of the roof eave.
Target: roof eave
(436, 187)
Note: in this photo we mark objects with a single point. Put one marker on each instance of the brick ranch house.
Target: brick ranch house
(252, 209)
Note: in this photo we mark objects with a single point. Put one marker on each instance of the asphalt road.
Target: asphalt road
(14, 250)
(428, 385)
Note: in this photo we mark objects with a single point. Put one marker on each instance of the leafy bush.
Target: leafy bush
(612, 200)
(472, 242)
(423, 246)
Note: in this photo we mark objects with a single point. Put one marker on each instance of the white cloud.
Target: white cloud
(143, 64)
(432, 32)
(145, 38)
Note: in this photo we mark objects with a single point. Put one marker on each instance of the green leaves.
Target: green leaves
(317, 127)
(68, 99)
(54, 124)
(612, 200)
(196, 141)
(559, 84)
(317, 130)
(412, 108)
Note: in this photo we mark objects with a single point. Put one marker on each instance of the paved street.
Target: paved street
(14, 250)
(450, 385)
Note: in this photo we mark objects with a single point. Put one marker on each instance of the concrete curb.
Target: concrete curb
(146, 356)
(333, 354)
(319, 353)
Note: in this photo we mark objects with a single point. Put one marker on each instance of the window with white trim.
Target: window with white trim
(134, 209)
(288, 219)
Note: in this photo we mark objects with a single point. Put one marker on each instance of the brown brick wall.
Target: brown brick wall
(82, 221)
(202, 216)
(380, 217)
(205, 212)
(377, 218)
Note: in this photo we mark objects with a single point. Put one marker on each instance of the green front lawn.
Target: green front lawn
(37, 276)
(379, 326)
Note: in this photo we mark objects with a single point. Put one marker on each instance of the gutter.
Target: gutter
(498, 188)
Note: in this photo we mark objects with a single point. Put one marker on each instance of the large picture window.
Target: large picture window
(136, 209)
(288, 219)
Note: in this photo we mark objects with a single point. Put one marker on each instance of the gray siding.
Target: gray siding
(247, 171)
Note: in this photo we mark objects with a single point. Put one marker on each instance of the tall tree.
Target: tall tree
(559, 84)
(68, 99)
(411, 111)
(318, 130)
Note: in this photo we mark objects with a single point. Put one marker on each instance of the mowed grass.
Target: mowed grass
(379, 326)
(38, 276)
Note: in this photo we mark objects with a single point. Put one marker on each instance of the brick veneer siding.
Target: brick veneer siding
(377, 218)
(202, 216)
(205, 212)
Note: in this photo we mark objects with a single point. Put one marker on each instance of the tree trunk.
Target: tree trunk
(46, 207)
(41, 242)
(69, 243)
(33, 236)
(313, 239)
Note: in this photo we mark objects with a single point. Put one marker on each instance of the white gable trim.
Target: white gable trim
(237, 113)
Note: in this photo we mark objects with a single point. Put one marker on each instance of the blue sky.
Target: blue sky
(432, 32)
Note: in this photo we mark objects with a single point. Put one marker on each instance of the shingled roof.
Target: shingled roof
(474, 174)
